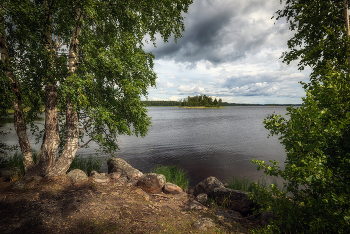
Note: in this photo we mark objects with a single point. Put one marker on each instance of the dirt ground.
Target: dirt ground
(59, 206)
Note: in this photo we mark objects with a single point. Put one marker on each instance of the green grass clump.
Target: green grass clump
(173, 174)
(85, 164)
(15, 160)
(246, 184)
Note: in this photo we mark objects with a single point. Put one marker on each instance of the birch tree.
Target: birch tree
(84, 62)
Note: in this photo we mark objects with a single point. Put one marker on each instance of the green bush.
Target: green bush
(173, 174)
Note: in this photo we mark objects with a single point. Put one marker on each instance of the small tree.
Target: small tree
(317, 135)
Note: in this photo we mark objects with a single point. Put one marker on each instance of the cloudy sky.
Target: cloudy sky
(230, 50)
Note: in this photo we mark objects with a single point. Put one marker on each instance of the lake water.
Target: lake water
(204, 142)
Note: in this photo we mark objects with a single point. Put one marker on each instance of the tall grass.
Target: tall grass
(246, 184)
(173, 174)
(16, 160)
(85, 164)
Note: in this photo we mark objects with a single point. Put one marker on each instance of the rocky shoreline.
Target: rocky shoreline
(230, 205)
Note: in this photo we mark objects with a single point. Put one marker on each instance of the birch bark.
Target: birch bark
(17, 101)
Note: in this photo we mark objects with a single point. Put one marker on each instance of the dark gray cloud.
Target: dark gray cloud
(220, 31)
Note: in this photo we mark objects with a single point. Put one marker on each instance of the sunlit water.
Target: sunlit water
(204, 142)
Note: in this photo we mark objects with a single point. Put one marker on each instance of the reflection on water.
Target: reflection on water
(205, 142)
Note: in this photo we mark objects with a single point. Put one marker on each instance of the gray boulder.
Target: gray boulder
(152, 182)
(99, 177)
(233, 199)
(120, 165)
(207, 186)
(197, 206)
(171, 188)
(77, 176)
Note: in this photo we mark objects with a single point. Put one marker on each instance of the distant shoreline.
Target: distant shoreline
(202, 107)
(177, 104)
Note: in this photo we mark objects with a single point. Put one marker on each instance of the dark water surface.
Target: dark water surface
(205, 142)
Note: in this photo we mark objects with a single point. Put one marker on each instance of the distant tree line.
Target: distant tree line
(201, 100)
(182, 103)
(161, 103)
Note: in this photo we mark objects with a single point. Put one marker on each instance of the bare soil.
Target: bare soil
(59, 206)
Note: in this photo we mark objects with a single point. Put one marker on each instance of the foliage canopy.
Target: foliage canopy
(83, 61)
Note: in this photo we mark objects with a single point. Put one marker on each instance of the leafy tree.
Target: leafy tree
(316, 136)
(83, 61)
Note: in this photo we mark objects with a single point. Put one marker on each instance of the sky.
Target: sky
(231, 50)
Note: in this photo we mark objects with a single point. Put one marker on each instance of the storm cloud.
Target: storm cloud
(230, 49)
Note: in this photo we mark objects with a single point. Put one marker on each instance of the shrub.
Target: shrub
(173, 174)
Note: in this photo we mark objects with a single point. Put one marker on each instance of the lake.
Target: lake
(204, 142)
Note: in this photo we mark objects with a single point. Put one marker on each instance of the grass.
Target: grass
(15, 160)
(173, 174)
(85, 164)
(246, 184)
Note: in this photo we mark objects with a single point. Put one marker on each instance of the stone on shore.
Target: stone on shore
(99, 177)
(233, 199)
(207, 186)
(152, 182)
(195, 205)
(77, 176)
(120, 165)
(171, 188)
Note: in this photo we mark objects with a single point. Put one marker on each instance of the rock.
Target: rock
(142, 193)
(93, 173)
(152, 182)
(233, 199)
(202, 198)
(207, 186)
(197, 206)
(266, 217)
(170, 188)
(132, 182)
(180, 195)
(99, 178)
(115, 175)
(9, 173)
(226, 216)
(203, 224)
(77, 176)
(19, 184)
(120, 165)
(122, 180)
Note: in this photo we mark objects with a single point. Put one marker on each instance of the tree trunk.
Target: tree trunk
(346, 16)
(17, 101)
(72, 124)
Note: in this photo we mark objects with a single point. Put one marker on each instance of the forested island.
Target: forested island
(196, 101)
